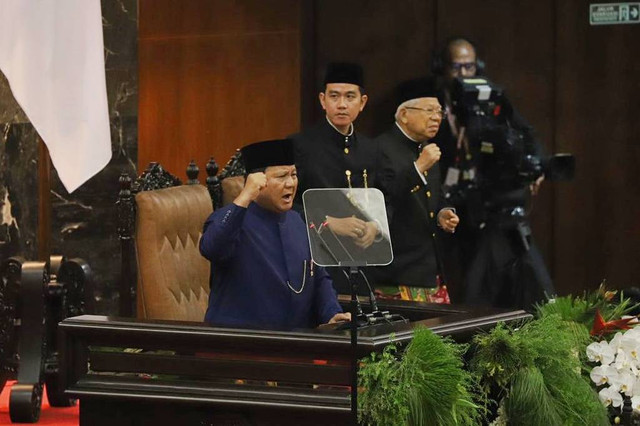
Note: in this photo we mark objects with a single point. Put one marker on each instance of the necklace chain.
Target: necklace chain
(304, 279)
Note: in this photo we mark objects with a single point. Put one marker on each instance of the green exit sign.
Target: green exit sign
(614, 13)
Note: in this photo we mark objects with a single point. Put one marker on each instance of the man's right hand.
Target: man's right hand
(428, 157)
(254, 184)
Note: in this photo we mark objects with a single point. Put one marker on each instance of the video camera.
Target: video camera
(502, 144)
(501, 158)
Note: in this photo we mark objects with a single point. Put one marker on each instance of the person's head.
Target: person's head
(343, 97)
(460, 59)
(275, 159)
(420, 118)
(278, 195)
(419, 113)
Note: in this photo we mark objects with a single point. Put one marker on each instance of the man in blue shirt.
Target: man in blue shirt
(262, 275)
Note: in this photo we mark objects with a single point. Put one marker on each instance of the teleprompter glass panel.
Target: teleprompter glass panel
(347, 227)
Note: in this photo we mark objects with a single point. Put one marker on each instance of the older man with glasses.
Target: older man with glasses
(410, 179)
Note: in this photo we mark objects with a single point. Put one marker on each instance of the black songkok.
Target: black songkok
(416, 88)
(260, 155)
(344, 72)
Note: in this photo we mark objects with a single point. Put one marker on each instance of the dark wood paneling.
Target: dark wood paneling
(392, 44)
(215, 75)
(516, 41)
(596, 218)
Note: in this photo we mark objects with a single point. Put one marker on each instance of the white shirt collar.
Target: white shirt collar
(405, 133)
(350, 127)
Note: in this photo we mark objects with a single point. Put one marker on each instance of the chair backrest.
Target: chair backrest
(231, 181)
(173, 278)
(163, 275)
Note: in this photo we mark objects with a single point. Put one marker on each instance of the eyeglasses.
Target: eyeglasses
(440, 113)
(467, 66)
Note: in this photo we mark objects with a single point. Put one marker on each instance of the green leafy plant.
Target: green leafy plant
(425, 385)
(534, 373)
(582, 309)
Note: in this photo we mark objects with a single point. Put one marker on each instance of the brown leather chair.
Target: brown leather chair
(173, 278)
(160, 220)
(160, 225)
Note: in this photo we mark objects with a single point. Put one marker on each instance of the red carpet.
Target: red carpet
(48, 416)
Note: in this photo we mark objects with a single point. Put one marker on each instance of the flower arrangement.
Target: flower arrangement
(617, 373)
(539, 373)
(533, 374)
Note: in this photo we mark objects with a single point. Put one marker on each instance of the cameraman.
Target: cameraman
(494, 259)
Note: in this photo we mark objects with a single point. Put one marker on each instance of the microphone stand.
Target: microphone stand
(353, 274)
(360, 317)
(376, 314)
(356, 314)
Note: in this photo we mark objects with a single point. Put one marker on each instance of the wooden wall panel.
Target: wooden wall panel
(596, 222)
(215, 75)
(392, 44)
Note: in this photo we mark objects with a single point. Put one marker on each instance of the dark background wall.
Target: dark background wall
(217, 74)
(214, 76)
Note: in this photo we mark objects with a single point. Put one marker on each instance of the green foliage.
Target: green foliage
(536, 369)
(384, 400)
(530, 402)
(581, 309)
(427, 386)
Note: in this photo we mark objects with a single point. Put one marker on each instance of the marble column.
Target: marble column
(83, 223)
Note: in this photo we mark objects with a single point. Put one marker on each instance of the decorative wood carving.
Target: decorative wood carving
(34, 298)
(192, 173)
(213, 183)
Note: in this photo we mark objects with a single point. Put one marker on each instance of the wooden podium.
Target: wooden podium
(132, 372)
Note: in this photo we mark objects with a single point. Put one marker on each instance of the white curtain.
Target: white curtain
(52, 53)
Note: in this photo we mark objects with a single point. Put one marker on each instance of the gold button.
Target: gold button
(415, 189)
(431, 215)
(346, 150)
(429, 194)
(433, 235)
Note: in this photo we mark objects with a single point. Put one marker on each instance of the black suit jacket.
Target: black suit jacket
(321, 159)
(412, 208)
(322, 156)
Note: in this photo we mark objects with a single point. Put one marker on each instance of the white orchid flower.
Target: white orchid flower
(624, 382)
(623, 361)
(614, 344)
(609, 396)
(603, 374)
(635, 403)
(600, 352)
(630, 344)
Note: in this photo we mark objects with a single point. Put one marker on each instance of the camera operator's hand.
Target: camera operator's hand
(448, 220)
(429, 156)
(252, 187)
(535, 186)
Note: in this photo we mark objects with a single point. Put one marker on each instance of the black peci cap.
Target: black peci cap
(260, 155)
(415, 89)
(344, 72)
